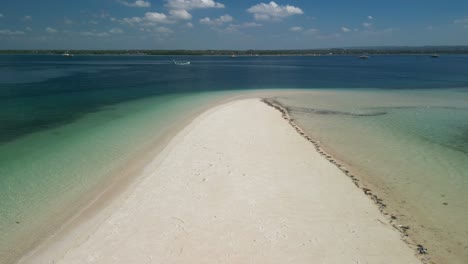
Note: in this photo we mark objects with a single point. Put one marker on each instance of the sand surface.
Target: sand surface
(238, 185)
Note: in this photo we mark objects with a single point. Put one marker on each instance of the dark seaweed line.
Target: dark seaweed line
(403, 229)
(329, 112)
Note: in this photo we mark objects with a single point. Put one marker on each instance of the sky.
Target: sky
(229, 24)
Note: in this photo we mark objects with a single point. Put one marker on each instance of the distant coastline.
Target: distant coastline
(397, 50)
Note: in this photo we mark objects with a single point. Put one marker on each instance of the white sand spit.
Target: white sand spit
(238, 185)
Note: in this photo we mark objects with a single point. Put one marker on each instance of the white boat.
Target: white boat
(67, 54)
(435, 55)
(181, 62)
(364, 57)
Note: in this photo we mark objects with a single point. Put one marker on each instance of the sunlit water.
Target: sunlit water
(69, 125)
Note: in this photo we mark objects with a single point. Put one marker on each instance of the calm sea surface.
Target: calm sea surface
(66, 124)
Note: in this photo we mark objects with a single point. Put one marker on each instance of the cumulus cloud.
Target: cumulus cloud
(181, 14)
(67, 21)
(235, 27)
(132, 20)
(116, 31)
(370, 17)
(150, 19)
(192, 4)
(189, 25)
(249, 25)
(381, 32)
(163, 30)
(138, 3)
(51, 30)
(273, 11)
(216, 22)
(157, 17)
(461, 21)
(26, 18)
(330, 36)
(311, 31)
(94, 34)
(345, 29)
(8, 32)
(367, 25)
(296, 29)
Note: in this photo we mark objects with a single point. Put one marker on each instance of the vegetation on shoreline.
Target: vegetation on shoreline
(252, 52)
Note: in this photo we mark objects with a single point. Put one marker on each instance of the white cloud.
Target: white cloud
(138, 3)
(94, 34)
(345, 29)
(296, 29)
(67, 21)
(116, 31)
(235, 27)
(461, 21)
(28, 29)
(189, 25)
(132, 20)
(51, 30)
(273, 11)
(10, 33)
(330, 36)
(181, 14)
(26, 18)
(216, 22)
(367, 25)
(249, 25)
(311, 31)
(192, 4)
(381, 32)
(163, 30)
(157, 17)
(370, 17)
(390, 30)
(150, 19)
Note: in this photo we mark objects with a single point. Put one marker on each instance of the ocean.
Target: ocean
(69, 127)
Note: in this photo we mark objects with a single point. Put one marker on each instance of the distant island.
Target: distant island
(254, 52)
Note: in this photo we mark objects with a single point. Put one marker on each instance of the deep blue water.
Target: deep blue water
(42, 91)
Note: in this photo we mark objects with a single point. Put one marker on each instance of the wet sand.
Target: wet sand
(239, 184)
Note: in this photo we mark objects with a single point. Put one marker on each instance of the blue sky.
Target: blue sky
(223, 24)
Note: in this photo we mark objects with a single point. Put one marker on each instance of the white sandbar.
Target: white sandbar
(238, 185)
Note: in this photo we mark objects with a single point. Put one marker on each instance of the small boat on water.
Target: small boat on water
(435, 55)
(181, 62)
(364, 57)
(67, 54)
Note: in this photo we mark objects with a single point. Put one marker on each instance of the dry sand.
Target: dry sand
(238, 185)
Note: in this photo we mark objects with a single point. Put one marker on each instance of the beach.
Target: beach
(239, 184)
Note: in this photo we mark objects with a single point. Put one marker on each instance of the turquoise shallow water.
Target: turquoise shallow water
(49, 175)
(67, 125)
(409, 147)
